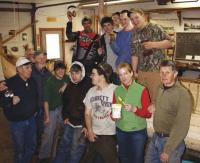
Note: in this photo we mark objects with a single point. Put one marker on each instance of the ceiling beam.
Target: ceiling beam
(10, 2)
(15, 9)
(58, 4)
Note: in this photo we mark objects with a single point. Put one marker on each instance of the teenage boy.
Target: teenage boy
(54, 89)
(72, 145)
(101, 128)
(105, 49)
(116, 21)
(147, 49)
(121, 44)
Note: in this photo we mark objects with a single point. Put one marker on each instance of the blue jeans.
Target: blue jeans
(156, 148)
(131, 145)
(24, 140)
(40, 125)
(72, 146)
(49, 132)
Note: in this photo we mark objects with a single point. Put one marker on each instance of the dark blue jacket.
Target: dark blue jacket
(27, 92)
(40, 78)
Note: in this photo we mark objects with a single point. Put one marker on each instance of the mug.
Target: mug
(116, 110)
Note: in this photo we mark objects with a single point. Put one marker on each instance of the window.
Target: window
(52, 41)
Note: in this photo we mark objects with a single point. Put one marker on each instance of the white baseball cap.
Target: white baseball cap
(22, 61)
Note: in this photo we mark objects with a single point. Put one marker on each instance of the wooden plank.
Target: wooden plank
(1, 72)
(21, 30)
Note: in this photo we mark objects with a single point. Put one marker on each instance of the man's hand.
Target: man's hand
(46, 121)
(62, 89)
(92, 136)
(66, 121)
(3, 86)
(100, 51)
(149, 45)
(164, 157)
(84, 131)
(15, 100)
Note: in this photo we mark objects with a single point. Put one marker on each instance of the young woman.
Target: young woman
(131, 127)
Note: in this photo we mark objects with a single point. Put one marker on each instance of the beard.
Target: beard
(87, 30)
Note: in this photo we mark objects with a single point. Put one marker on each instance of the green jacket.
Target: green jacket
(172, 114)
(130, 121)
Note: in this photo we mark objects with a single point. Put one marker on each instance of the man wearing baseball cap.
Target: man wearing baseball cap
(19, 108)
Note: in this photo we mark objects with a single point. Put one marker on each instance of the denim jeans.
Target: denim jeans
(40, 125)
(49, 132)
(131, 145)
(24, 140)
(72, 146)
(156, 148)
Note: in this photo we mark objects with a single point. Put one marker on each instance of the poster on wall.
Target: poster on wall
(167, 24)
(191, 24)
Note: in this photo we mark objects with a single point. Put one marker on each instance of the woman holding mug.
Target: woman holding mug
(131, 127)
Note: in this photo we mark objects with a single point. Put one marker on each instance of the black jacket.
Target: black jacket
(85, 50)
(73, 106)
(27, 92)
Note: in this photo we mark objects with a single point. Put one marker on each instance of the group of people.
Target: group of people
(125, 66)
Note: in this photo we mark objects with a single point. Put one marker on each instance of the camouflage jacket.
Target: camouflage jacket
(149, 59)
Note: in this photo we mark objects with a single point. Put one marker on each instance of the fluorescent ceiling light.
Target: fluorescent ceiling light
(183, 1)
(111, 2)
(120, 1)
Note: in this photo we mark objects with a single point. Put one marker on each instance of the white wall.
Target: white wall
(15, 21)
